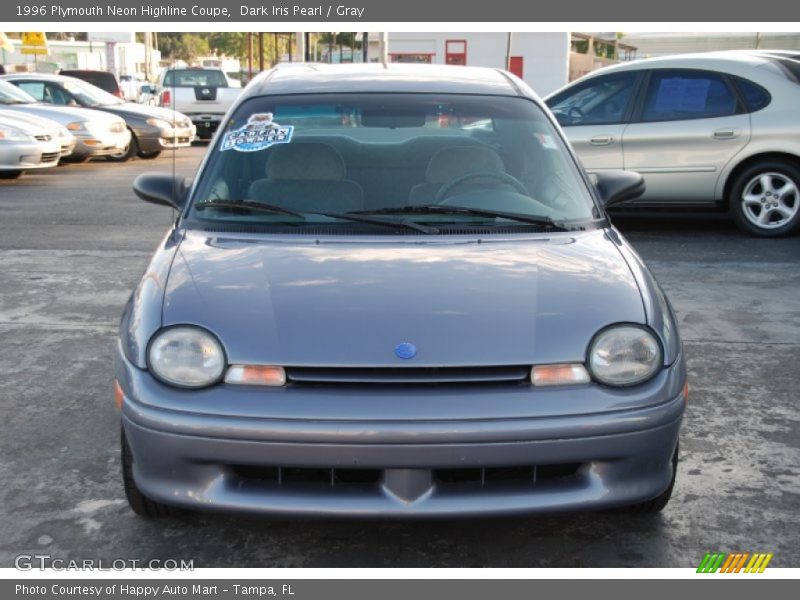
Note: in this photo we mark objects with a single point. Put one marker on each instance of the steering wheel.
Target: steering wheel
(502, 177)
(575, 114)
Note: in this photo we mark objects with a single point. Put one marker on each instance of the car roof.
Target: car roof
(306, 78)
(39, 76)
(701, 60)
(87, 72)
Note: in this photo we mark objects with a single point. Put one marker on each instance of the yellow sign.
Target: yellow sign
(5, 43)
(34, 42)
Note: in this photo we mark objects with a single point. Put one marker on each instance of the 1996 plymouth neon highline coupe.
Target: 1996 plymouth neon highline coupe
(392, 291)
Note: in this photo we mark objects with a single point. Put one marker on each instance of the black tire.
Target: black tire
(658, 503)
(11, 174)
(76, 160)
(127, 154)
(782, 212)
(139, 503)
(149, 155)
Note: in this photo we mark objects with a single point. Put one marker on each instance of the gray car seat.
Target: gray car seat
(307, 177)
(451, 163)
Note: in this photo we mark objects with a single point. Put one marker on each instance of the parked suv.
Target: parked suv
(103, 79)
(718, 129)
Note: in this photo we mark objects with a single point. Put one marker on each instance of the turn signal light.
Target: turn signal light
(119, 395)
(566, 374)
(256, 375)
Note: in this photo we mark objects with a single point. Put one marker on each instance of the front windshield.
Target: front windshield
(87, 94)
(11, 94)
(414, 158)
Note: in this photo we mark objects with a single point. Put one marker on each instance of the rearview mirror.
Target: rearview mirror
(161, 188)
(616, 187)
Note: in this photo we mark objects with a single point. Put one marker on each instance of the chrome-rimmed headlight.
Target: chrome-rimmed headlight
(624, 355)
(186, 356)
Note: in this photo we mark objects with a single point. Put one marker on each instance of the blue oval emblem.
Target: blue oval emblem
(405, 350)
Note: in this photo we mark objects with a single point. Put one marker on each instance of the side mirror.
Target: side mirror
(161, 188)
(616, 187)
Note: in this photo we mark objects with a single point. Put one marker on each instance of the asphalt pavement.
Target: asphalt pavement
(74, 241)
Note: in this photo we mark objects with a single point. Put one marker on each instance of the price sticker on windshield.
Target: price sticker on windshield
(260, 132)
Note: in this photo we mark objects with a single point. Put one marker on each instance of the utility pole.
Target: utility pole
(508, 51)
(260, 51)
(365, 46)
(249, 55)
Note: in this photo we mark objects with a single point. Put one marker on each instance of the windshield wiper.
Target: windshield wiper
(249, 205)
(360, 218)
(275, 209)
(440, 209)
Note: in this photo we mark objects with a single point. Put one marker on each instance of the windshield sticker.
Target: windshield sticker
(546, 141)
(260, 132)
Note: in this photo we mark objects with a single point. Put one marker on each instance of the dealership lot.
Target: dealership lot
(73, 242)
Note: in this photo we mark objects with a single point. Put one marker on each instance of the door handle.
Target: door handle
(726, 134)
(601, 140)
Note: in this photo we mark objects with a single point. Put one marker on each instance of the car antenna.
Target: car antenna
(174, 181)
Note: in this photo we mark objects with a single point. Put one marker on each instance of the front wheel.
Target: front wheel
(139, 503)
(149, 155)
(658, 503)
(126, 154)
(765, 199)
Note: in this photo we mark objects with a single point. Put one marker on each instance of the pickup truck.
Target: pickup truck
(204, 95)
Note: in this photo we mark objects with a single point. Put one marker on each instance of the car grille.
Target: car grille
(43, 138)
(408, 375)
(50, 156)
(478, 478)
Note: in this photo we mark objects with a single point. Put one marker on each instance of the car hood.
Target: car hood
(65, 114)
(30, 124)
(351, 301)
(142, 111)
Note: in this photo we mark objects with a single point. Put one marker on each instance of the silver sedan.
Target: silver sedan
(25, 146)
(716, 129)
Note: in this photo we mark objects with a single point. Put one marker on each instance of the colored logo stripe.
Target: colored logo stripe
(733, 563)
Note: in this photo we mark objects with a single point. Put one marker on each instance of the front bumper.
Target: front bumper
(250, 464)
(101, 143)
(16, 156)
(206, 124)
(161, 139)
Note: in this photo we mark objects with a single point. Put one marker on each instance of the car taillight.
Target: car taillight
(166, 98)
(119, 94)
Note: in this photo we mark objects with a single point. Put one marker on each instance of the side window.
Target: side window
(34, 88)
(755, 97)
(678, 95)
(57, 95)
(602, 100)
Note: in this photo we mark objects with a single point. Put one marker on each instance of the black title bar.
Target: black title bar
(440, 11)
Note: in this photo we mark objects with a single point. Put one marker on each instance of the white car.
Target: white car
(718, 129)
(24, 146)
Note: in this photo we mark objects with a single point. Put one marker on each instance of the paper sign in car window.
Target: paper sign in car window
(547, 141)
(678, 94)
(259, 133)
